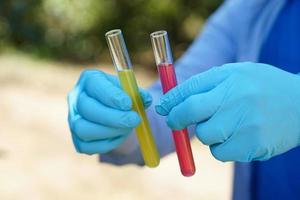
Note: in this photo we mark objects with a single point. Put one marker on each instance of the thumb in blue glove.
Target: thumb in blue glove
(243, 111)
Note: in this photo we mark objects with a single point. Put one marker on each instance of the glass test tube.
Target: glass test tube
(163, 58)
(127, 79)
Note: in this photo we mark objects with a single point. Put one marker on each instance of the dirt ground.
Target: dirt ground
(37, 159)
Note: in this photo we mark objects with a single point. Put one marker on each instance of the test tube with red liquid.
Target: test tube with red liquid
(164, 61)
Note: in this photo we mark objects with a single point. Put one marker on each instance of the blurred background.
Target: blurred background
(44, 45)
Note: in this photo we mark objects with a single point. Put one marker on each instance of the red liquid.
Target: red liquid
(181, 138)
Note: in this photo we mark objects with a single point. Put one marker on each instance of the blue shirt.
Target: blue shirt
(279, 177)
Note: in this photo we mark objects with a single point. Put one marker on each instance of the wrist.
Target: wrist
(128, 146)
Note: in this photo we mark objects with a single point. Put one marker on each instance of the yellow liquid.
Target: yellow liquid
(143, 131)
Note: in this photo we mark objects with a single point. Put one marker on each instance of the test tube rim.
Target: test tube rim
(158, 34)
(113, 32)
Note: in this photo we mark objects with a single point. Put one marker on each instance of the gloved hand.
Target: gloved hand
(243, 111)
(100, 116)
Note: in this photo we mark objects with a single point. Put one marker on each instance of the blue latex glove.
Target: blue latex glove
(100, 116)
(243, 111)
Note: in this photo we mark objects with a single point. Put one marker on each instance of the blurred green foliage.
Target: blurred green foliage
(74, 29)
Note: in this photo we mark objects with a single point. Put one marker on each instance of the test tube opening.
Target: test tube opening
(159, 34)
(113, 32)
(118, 50)
(161, 47)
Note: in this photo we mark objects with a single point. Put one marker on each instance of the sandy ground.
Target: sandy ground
(37, 159)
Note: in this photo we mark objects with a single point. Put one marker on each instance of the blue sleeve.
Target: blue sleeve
(215, 46)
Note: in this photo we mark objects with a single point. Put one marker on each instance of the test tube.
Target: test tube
(164, 62)
(128, 82)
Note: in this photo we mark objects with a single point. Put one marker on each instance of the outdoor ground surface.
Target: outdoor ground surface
(37, 159)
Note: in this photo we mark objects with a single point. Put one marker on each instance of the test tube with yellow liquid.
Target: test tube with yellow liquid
(128, 82)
